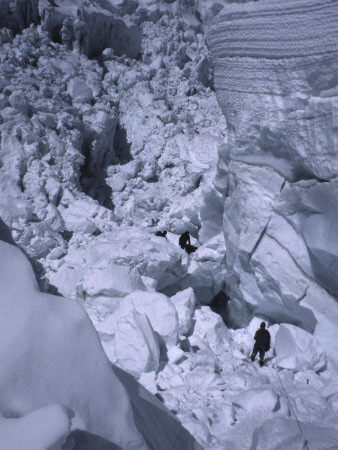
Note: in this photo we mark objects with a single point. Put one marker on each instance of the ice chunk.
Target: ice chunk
(157, 307)
(210, 327)
(298, 350)
(184, 302)
(136, 345)
(113, 280)
(175, 354)
(256, 399)
(79, 91)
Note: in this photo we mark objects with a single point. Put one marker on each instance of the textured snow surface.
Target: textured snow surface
(116, 121)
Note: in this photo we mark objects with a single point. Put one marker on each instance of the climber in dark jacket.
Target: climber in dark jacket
(262, 344)
(185, 243)
(184, 239)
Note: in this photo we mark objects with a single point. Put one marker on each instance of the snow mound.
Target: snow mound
(52, 355)
(42, 429)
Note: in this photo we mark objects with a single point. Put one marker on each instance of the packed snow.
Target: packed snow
(122, 119)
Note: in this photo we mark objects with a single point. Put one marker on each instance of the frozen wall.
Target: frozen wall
(276, 82)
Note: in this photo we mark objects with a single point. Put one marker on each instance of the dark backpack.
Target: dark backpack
(264, 340)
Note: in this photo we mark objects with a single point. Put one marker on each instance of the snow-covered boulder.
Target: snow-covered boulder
(298, 350)
(112, 280)
(79, 91)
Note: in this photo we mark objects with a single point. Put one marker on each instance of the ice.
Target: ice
(175, 354)
(184, 302)
(280, 433)
(79, 91)
(256, 399)
(298, 350)
(136, 346)
(89, 389)
(210, 327)
(157, 307)
(112, 280)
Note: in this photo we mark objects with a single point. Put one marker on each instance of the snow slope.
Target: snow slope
(52, 356)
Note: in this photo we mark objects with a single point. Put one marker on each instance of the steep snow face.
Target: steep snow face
(275, 77)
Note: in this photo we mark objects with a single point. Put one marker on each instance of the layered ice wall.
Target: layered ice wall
(276, 81)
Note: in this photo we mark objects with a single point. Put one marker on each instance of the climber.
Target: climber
(262, 344)
(161, 233)
(185, 243)
(184, 239)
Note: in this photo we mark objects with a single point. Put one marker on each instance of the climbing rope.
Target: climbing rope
(288, 400)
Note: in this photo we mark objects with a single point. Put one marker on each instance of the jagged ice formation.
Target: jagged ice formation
(276, 82)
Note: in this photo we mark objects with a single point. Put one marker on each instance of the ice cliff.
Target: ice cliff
(276, 82)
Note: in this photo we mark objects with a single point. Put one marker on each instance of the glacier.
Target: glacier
(121, 118)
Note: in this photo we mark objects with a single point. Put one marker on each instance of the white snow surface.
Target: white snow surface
(122, 123)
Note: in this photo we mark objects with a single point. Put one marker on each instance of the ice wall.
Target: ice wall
(276, 82)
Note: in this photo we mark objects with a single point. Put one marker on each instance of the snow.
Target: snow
(141, 125)
(43, 428)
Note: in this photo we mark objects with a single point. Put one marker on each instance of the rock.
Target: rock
(136, 346)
